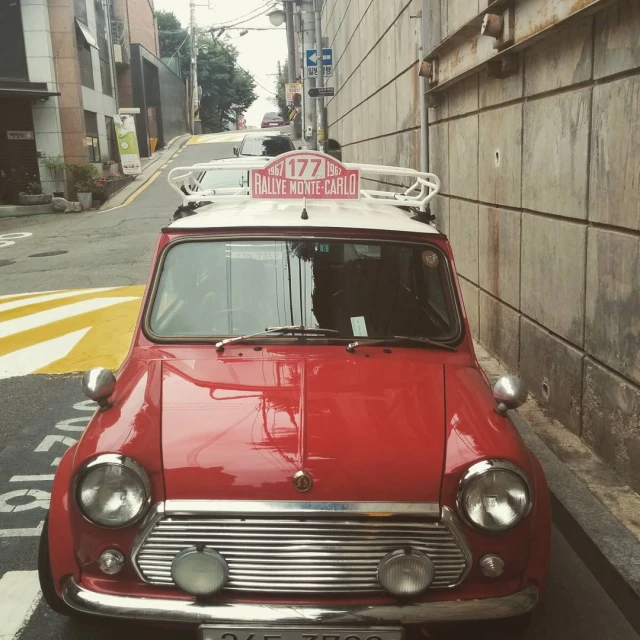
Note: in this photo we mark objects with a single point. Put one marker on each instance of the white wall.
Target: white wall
(40, 64)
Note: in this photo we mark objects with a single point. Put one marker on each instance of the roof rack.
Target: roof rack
(186, 181)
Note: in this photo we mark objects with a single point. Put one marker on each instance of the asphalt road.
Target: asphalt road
(42, 415)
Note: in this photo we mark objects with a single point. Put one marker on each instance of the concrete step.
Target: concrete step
(14, 211)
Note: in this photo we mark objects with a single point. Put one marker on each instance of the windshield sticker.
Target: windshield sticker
(359, 326)
(323, 248)
(431, 259)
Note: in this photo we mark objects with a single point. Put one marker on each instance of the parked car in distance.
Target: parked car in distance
(301, 443)
(264, 145)
(272, 119)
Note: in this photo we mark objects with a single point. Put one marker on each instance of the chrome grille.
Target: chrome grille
(301, 554)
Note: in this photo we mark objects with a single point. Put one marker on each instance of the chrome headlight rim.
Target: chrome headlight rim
(479, 469)
(112, 459)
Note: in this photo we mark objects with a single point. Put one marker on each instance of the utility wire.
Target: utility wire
(260, 11)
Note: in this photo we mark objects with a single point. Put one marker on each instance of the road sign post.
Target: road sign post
(311, 63)
(322, 92)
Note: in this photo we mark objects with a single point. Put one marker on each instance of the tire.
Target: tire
(46, 577)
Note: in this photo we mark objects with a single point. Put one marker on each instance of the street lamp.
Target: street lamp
(277, 17)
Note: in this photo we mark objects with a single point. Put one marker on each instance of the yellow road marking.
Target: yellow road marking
(146, 185)
(106, 343)
(11, 314)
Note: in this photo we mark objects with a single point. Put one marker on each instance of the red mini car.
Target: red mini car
(301, 444)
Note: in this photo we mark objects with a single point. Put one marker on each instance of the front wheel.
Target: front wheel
(49, 593)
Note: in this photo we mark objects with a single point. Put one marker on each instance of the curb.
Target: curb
(174, 145)
(16, 213)
(605, 546)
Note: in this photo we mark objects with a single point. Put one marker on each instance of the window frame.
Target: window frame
(450, 294)
(83, 50)
(94, 136)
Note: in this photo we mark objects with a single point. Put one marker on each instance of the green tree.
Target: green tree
(174, 39)
(227, 90)
(280, 99)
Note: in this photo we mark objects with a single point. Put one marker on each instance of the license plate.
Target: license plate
(220, 632)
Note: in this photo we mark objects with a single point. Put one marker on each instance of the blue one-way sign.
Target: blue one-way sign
(311, 62)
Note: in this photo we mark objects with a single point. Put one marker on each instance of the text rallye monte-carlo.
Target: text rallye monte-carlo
(300, 444)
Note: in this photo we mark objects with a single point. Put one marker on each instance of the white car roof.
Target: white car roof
(343, 214)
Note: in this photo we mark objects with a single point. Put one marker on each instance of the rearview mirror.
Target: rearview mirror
(99, 384)
(236, 151)
(510, 392)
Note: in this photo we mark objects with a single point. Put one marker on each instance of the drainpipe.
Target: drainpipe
(424, 112)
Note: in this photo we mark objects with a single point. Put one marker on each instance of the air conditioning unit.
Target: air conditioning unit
(117, 53)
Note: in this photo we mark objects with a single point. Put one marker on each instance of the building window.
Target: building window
(105, 74)
(92, 140)
(111, 138)
(103, 49)
(13, 61)
(84, 58)
(80, 10)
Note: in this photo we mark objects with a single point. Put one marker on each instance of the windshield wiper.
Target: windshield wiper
(274, 330)
(425, 342)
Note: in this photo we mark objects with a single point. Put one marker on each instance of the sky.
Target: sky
(259, 51)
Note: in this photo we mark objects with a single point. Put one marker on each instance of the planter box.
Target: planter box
(112, 187)
(26, 199)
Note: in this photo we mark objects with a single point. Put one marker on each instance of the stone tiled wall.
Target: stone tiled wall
(41, 68)
(540, 197)
(375, 114)
(542, 206)
(142, 26)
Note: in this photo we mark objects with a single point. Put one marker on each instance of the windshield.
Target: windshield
(224, 179)
(210, 289)
(266, 146)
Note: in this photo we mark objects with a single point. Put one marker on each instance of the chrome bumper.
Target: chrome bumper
(185, 611)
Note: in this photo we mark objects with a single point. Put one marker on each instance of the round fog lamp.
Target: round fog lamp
(406, 573)
(111, 562)
(200, 571)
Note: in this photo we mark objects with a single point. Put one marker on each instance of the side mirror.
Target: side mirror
(510, 392)
(236, 151)
(99, 384)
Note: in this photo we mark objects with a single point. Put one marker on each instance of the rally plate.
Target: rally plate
(226, 632)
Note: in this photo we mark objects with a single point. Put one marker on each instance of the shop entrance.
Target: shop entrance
(18, 154)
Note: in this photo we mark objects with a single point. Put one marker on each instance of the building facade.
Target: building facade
(533, 131)
(65, 70)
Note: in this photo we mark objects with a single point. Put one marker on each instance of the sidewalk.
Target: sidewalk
(149, 168)
(596, 513)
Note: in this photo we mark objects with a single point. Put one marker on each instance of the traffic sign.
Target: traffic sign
(305, 174)
(324, 92)
(311, 62)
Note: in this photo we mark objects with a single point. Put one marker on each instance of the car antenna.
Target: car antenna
(305, 214)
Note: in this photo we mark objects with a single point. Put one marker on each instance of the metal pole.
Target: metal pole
(321, 131)
(424, 113)
(308, 35)
(291, 45)
(194, 69)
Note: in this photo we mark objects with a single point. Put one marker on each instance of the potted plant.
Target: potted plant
(56, 167)
(33, 194)
(83, 176)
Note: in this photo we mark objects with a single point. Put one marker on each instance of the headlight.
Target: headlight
(494, 495)
(112, 491)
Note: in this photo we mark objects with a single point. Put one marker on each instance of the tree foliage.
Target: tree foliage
(227, 90)
(280, 99)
